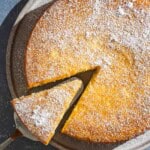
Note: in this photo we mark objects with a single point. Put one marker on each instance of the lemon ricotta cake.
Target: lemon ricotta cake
(110, 36)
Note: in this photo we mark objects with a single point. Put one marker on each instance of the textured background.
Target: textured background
(9, 10)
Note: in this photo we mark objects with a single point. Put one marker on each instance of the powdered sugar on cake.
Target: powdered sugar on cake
(113, 36)
(41, 111)
(41, 117)
(119, 22)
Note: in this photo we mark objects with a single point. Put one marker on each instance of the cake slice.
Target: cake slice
(42, 112)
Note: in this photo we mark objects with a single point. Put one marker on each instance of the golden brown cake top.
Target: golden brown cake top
(41, 112)
(112, 37)
(78, 26)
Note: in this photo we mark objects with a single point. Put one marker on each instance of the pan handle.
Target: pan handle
(8, 141)
(4, 144)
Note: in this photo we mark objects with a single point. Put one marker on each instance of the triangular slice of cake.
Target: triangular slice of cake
(42, 112)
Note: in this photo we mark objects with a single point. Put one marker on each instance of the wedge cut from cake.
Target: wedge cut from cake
(111, 37)
(42, 112)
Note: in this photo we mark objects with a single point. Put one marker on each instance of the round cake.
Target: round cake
(110, 37)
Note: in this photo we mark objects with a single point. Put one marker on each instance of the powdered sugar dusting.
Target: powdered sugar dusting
(130, 4)
(110, 36)
(130, 29)
(42, 112)
(121, 11)
(41, 117)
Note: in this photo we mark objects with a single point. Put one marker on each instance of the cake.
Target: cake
(110, 37)
(42, 112)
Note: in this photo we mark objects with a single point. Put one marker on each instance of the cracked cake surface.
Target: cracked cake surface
(112, 37)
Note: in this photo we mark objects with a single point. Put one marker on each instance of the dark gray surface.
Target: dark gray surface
(9, 10)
